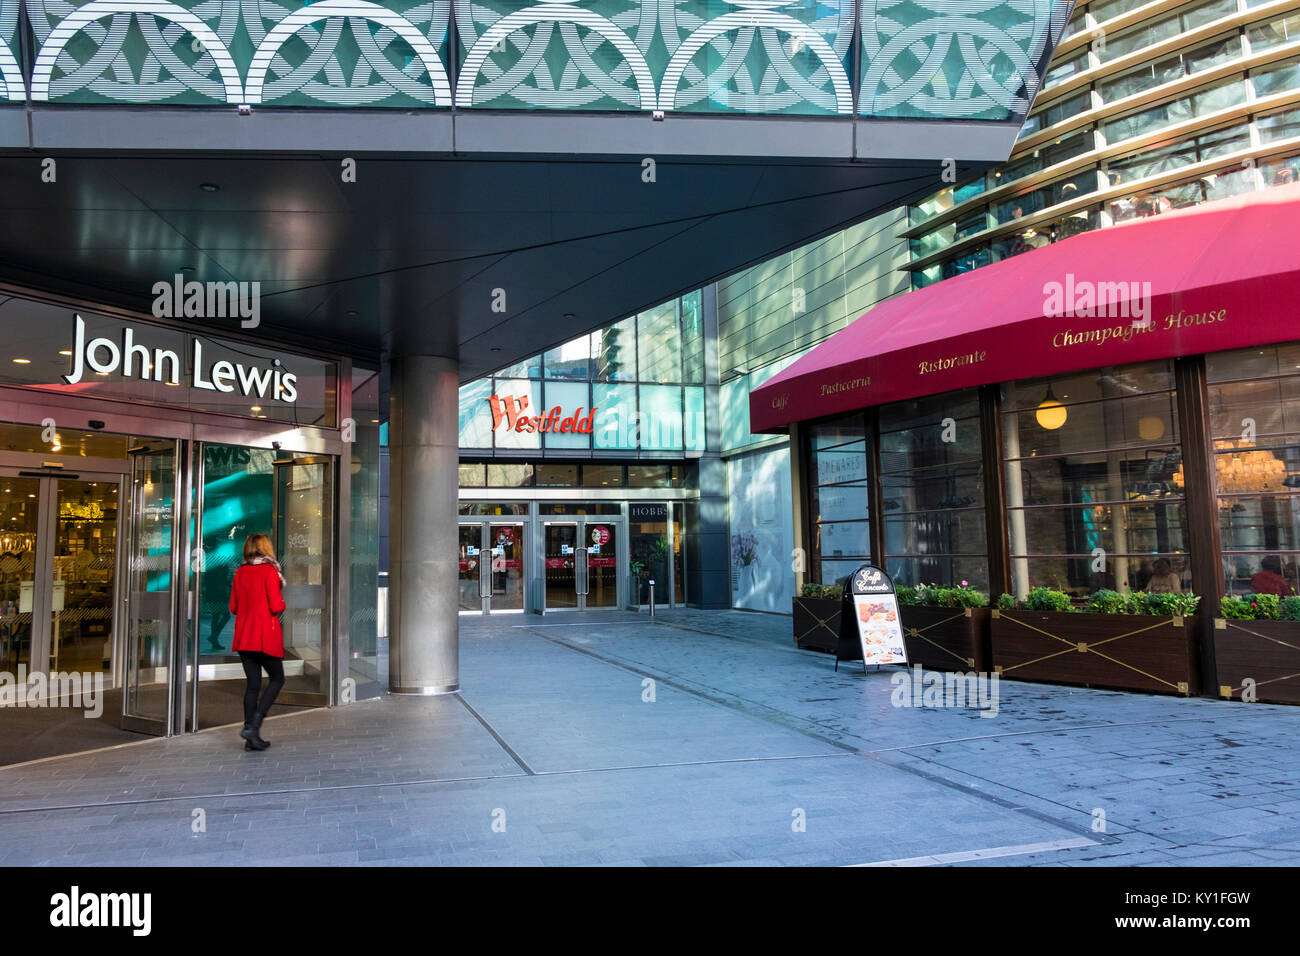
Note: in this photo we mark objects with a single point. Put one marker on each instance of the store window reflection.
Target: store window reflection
(1094, 481)
(1254, 397)
(838, 479)
(932, 490)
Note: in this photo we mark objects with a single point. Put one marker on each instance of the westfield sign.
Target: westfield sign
(509, 411)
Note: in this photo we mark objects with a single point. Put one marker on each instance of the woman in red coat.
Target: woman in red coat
(256, 602)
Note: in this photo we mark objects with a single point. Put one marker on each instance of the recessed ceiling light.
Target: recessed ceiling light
(209, 187)
(22, 361)
(351, 313)
(69, 352)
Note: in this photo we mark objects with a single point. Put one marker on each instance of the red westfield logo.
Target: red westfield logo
(510, 410)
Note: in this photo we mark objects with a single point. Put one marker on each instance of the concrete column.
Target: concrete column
(424, 649)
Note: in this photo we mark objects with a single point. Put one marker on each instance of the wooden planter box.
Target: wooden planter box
(1122, 651)
(817, 624)
(1267, 652)
(947, 638)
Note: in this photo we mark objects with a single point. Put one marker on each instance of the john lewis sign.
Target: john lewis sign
(134, 359)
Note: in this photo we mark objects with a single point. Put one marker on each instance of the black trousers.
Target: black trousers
(254, 662)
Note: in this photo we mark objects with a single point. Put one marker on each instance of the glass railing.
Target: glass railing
(917, 58)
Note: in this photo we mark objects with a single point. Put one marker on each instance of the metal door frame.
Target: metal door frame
(42, 639)
(582, 581)
(331, 604)
(485, 576)
(164, 727)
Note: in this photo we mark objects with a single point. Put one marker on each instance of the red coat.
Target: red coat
(255, 601)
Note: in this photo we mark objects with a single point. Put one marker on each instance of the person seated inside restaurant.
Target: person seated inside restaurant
(1268, 579)
(1164, 580)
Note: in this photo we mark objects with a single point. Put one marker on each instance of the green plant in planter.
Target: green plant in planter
(822, 592)
(906, 595)
(1289, 608)
(1046, 599)
(1006, 602)
(1267, 606)
(1236, 609)
(1106, 601)
(1172, 605)
(960, 596)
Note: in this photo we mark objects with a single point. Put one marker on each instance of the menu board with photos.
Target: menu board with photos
(880, 630)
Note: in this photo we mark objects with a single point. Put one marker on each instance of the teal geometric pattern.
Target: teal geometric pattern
(936, 59)
(959, 59)
(11, 74)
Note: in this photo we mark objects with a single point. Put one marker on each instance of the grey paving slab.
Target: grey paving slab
(750, 753)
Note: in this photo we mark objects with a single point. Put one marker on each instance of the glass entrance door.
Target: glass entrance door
(582, 564)
(304, 543)
(58, 572)
(153, 564)
(491, 566)
(505, 566)
(560, 560)
(470, 575)
(601, 559)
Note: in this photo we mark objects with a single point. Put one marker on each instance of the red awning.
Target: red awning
(1221, 275)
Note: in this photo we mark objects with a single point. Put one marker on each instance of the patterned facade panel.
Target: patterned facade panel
(11, 75)
(956, 59)
(932, 59)
(322, 53)
(759, 56)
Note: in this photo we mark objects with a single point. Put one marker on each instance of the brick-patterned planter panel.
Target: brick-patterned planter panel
(1122, 651)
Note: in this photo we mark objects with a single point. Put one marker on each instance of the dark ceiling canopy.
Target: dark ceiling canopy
(490, 256)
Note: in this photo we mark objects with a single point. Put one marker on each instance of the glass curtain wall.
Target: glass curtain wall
(639, 381)
(1247, 112)
(1254, 397)
(1093, 480)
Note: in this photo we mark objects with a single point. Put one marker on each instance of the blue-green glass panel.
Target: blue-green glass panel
(524, 398)
(616, 424)
(572, 399)
(238, 491)
(475, 415)
(661, 417)
(693, 421)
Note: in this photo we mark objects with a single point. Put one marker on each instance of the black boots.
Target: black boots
(252, 739)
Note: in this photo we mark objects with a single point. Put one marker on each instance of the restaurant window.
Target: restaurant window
(932, 491)
(1093, 470)
(837, 479)
(471, 476)
(1254, 397)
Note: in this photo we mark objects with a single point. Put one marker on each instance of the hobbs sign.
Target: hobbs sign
(133, 360)
(510, 410)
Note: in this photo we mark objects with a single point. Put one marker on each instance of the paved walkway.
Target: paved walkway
(750, 752)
